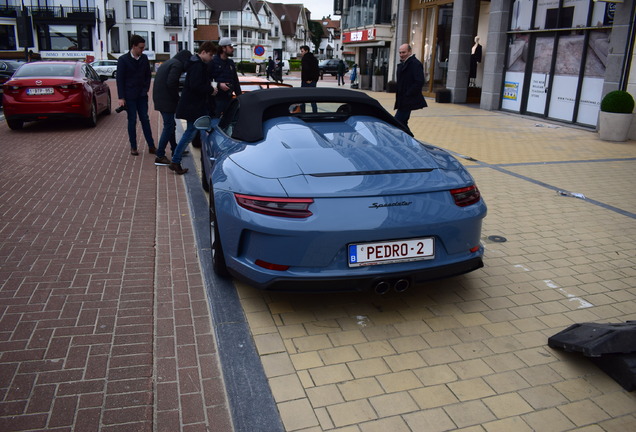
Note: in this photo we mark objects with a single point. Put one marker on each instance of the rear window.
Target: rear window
(45, 70)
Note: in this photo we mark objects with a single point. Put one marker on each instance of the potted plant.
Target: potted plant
(616, 116)
(377, 81)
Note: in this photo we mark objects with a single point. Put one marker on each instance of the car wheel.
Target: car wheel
(91, 121)
(204, 176)
(115, 74)
(218, 260)
(196, 141)
(15, 124)
(108, 110)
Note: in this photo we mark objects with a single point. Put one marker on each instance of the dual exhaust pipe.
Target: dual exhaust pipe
(383, 286)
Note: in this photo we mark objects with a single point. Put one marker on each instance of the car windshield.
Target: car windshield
(45, 70)
(324, 62)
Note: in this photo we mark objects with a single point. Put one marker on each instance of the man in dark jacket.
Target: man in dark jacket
(195, 99)
(309, 72)
(165, 95)
(223, 70)
(133, 83)
(410, 80)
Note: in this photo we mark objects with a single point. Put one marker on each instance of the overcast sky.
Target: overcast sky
(318, 8)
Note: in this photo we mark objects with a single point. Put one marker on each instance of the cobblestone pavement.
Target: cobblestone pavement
(104, 322)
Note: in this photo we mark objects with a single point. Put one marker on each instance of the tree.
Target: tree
(315, 29)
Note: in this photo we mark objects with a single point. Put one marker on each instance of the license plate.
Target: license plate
(388, 252)
(40, 91)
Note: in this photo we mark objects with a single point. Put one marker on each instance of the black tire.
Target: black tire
(107, 111)
(91, 121)
(115, 73)
(15, 124)
(196, 141)
(204, 176)
(218, 259)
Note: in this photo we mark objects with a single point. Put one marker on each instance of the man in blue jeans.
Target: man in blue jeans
(165, 95)
(195, 100)
(133, 83)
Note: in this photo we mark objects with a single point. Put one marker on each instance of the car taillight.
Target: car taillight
(281, 207)
(70, 87)
(466, 196)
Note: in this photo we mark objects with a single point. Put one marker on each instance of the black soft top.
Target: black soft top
(251, 109)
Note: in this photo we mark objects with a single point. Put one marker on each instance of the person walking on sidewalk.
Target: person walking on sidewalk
(133, 83)
(195, 100)
(223, 70)
(165, 95)
(309, 71)
(269, 70)
(341, 72)
(410, 80)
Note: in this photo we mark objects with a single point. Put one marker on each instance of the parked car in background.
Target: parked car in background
(340, 198)
(55, 89)
(7, 69)
(105, 67)
(330, 67)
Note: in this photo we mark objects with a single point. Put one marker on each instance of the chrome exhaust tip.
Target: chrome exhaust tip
(382, 287)
(401, 285)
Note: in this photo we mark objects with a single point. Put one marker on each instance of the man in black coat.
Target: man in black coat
(133, 83)
(309, 71)
(410, 80)
(223, 70)
(195, 100)
(165, 95)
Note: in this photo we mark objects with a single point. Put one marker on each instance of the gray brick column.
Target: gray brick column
(461, 42)
(495, 54)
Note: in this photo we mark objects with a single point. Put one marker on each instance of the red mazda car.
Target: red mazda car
(55, 89)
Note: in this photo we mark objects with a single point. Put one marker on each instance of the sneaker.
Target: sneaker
(177, 168)
(162, 161)
(152, 150)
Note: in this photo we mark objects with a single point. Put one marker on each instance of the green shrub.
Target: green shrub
(618, 101)
(246, 66)
(294, 65)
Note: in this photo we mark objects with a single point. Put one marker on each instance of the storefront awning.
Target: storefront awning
(366, 44)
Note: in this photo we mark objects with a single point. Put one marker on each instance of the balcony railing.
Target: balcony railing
(172, 21)
(236, 22)
(9, 11)
(85, 13)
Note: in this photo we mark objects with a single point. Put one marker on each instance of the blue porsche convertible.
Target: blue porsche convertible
(316, 189)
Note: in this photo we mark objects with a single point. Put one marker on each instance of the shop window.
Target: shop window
(557, 74)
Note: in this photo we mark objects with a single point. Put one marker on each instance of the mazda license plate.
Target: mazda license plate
(388, 252)
(40, 91)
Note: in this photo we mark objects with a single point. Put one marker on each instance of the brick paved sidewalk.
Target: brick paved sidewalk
(104, 321)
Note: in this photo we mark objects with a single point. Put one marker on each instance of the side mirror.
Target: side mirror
(203, 123)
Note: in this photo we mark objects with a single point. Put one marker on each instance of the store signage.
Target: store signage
(66, 54)
(366, 35)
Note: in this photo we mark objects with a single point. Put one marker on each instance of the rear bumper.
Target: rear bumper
(73, 107)
(365, 283)
(45, 116)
